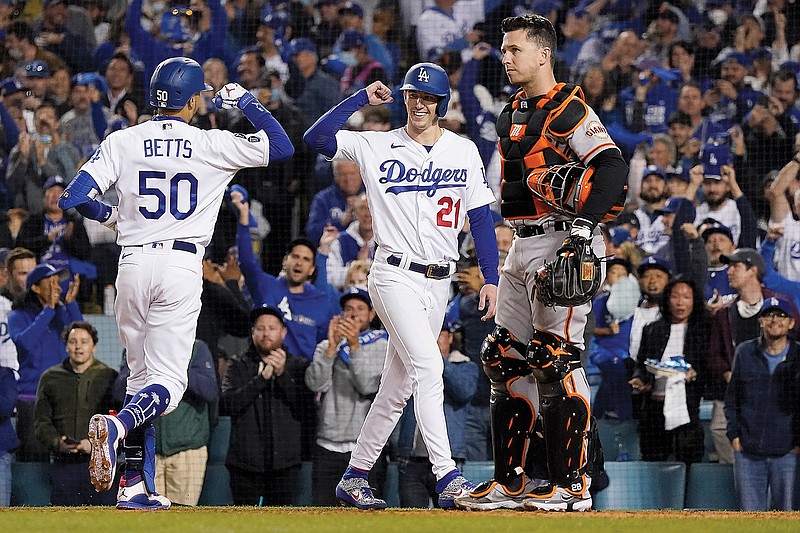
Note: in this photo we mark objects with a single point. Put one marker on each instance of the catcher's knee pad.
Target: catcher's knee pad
(498, 365)
(512, 423)
(551, 358)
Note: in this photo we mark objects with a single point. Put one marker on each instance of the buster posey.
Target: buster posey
(422, 182)
(170, 178)
(562, 174)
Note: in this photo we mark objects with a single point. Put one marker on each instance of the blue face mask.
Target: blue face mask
(46, 139)
(276, 94)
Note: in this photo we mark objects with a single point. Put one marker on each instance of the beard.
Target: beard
(715, 201)
(652, 198)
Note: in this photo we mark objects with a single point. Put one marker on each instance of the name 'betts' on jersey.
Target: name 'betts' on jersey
(546, 130)
(418, 199)
(170, 177)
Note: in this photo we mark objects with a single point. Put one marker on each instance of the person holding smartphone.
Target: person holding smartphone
(67, 395)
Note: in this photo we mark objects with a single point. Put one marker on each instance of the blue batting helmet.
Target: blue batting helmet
(429, 78)
(175, 81)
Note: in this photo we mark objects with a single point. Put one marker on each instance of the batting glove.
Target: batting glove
(233, 95)
(111, 221)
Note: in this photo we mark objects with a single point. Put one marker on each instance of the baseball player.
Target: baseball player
(554, 145)
(422, 182)
(170, 178)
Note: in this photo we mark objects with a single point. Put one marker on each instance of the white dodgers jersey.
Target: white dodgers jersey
(787, 249)
(170, 177)
(418, 199)
(727, 214)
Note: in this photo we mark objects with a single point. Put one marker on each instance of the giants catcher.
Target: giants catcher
(562, 175)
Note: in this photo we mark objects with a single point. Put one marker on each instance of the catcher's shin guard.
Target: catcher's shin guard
(564, 396)
(512, 414)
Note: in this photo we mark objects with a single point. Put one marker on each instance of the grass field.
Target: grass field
(311, 520)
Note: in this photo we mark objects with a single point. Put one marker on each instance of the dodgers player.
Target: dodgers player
(534, 352)
(170, 178)
(422, 181)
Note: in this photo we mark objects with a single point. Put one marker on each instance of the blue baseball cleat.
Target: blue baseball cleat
(457, 487)
(356, 492)
(137, 497)
(105, 434)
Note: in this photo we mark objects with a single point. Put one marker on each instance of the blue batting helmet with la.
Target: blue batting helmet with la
(429, 78)
(175, 81)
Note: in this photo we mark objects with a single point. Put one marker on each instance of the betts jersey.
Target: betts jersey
(572, 132)
(170, 177)
(651, 237)
(418, 199)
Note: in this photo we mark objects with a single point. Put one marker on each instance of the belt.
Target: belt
(429, 271)
(531, 231)
(183, 246)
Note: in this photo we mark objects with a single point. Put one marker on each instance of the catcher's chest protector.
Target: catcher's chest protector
(524, 146)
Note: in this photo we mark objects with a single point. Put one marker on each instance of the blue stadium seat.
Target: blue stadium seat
(109, 346)
(643, 485)
(710, 486)
(30, 485)
(391, 488)
(216, 486)
(477, 471)
(304, 497)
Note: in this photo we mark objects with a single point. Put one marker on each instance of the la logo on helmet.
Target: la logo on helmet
(423, 75)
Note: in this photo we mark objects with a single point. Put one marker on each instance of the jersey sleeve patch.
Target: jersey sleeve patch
(570, 117)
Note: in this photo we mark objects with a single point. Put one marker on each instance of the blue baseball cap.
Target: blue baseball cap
(351, 39)
(619, 235)
(712, 157)
(356, 291)
(776, 303)
(44, 270)
(52, 181)
(678, 203)
(653, 262)
(352, 7)
(740, 57)
(36, 69)
(246, 195)
(11, 86)
(91, 78)
(303, 44)
(706, 230)
(654, 169)
(679, 171)
(667, 75)
(266, 310)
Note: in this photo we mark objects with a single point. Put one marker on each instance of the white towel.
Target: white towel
(676, 413)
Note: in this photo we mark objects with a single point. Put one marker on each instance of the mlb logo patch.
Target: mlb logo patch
(587, 271)
(166, 126)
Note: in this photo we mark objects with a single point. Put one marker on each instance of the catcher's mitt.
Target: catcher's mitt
(573, 278)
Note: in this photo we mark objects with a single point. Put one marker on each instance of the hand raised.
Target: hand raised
(379, 93)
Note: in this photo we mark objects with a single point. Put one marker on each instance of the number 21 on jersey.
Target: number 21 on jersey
(447, 217)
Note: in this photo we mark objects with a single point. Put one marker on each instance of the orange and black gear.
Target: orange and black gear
(564, 410)
(513, 415)
(524, 147)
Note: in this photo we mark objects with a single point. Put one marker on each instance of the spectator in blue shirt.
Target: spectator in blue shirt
(306, 309)
(335, 205)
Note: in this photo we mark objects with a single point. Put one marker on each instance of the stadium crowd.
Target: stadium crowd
(700, 305)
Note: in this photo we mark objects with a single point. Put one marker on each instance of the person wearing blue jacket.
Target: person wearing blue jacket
(762, 404)
(417, 482)
(35, 324)
(198, 45)
(305, 308)
(8, 438)
(773, 280)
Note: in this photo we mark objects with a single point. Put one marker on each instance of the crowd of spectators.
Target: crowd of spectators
(700, 96)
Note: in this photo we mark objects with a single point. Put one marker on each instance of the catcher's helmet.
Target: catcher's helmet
(429, 78)
(175, 81)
